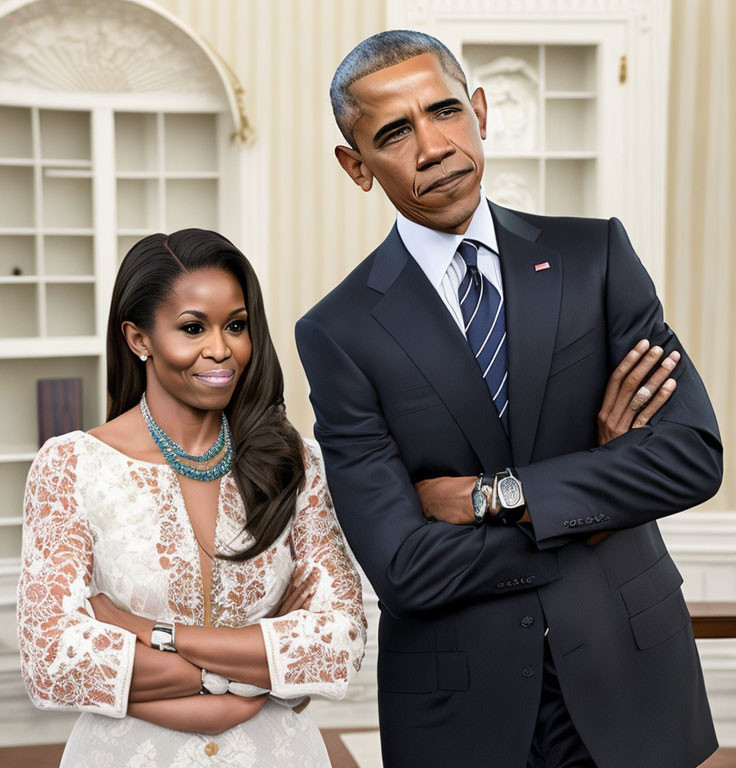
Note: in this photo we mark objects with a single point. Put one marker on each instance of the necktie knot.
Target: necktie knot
(469, 253)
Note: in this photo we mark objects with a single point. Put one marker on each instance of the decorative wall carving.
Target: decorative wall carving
(512, 190)
(91, 46)
(511, 88)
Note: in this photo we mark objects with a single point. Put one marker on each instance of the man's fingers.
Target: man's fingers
(655, 381)
(662, 396)
(632, 382)
(618, 375)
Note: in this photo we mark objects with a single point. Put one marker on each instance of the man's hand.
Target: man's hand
(629, 403)
(447, 499)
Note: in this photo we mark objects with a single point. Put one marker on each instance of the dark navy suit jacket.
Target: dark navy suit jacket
(398, 397)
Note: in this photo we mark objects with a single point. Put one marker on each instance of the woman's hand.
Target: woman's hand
(301, 590)
(105, 610)
(629, 403)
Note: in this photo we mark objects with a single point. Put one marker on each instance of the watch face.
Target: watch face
(510, 492)
(480, 504)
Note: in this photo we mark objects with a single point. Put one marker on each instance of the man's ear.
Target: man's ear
(352, 163)
(478, 103)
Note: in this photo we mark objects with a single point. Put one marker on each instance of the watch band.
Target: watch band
(163, 636)
(480, 497)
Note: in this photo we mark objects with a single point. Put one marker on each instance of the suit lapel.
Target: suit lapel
(532, 299)
(413, 313)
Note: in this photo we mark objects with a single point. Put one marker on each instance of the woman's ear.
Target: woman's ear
(137, 339)
(352, 163)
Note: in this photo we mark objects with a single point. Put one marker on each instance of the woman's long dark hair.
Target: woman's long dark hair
(267, 454)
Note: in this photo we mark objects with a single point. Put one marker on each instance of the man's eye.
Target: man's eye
(397, 134)
(192, 328)
(448, 111)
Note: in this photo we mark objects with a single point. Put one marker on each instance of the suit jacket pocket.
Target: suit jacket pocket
(422, 672)
(409, 400)
(576, 350)
(655, 603)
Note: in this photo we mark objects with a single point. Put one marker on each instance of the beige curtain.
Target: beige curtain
(700, 299)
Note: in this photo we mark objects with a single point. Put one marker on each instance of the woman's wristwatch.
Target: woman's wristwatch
(509, 495)
(163, 636)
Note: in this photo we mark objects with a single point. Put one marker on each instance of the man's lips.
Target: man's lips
(443, 181)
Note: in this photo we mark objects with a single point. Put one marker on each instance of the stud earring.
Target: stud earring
(143, 357)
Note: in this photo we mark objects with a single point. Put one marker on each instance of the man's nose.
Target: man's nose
(432, 144)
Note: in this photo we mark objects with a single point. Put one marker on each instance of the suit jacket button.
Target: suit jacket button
(527, 621)
(527, 672)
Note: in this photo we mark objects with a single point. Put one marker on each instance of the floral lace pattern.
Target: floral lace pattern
(99, 521)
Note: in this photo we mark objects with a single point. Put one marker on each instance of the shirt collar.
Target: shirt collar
(434, 250)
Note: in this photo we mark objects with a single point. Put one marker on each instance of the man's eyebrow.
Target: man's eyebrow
(436, 107)
(203, 315)
(381, 132)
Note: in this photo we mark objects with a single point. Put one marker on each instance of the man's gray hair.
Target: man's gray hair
(379, 52)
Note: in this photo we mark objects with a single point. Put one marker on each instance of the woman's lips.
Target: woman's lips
(217, 378)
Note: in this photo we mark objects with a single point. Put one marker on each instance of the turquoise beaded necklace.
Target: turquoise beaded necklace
(177, 457)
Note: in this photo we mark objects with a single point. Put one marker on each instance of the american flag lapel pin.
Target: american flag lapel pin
(542, 265)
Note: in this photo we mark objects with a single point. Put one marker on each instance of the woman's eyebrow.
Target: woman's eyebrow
(203, 315)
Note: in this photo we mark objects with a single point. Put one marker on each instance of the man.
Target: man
(467, 358)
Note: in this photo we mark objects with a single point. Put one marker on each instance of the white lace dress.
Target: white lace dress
(99, 521)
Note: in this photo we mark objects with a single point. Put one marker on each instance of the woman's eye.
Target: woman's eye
(237, 326)
(191, 328)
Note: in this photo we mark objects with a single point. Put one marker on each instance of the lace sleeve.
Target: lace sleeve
(68, 659)
(317, 651)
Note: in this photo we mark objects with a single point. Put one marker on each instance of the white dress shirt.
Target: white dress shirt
(435, 252)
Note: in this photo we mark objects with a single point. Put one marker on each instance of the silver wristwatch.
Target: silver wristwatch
(510, 497)
(480, 496)
(163, 636)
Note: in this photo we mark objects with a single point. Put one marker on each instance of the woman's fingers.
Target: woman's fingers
(662, 396)
(618, 375)
(300, 593)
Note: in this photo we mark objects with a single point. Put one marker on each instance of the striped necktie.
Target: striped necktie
(485, 327)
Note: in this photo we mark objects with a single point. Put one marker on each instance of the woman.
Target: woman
(225, 550)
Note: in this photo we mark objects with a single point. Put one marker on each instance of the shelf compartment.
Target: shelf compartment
(67, 203)
(12, 481)
(571, 125)
(509, 75)
(18, 392)
(70, 309)
(17, 252)
(138, 204)
(136, 142)
(10, 542)
(513, 183)
(65, 134)
(19, 310)
(68, 255)
(16, 197)
(570, 67)
(191, 203)
(570, 188)
(125, 243)
(191, 142)
(15, 132)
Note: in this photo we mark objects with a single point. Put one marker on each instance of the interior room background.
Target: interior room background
(610, 107)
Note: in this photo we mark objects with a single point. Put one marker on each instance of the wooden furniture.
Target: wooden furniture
(713, 620)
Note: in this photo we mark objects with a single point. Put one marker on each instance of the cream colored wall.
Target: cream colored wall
(285, 51)
(321, 225)
(701, 201)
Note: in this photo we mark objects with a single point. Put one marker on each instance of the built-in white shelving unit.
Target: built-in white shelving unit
(124, 140)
